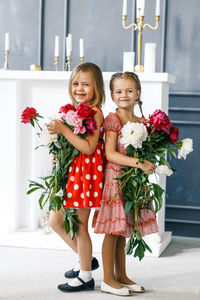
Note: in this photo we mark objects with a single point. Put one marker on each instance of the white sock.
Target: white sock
(77, 267)
(85, 275)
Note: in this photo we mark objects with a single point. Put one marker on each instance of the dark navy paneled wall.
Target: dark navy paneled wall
(20, 18)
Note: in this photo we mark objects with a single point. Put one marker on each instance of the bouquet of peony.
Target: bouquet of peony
(151, 140)
(53, 187)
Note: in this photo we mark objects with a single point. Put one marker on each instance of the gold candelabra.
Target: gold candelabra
(56, 59)
(68, 63)
(82, 59)
(140, 27)
(6, 60)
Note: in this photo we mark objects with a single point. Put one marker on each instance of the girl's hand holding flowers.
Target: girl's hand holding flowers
(147, 166)
(55, 127)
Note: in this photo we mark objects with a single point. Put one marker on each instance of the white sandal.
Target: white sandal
(119, 292)
(136, 288)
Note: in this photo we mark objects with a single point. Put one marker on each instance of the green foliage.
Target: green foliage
(53, 187)
(136, 242)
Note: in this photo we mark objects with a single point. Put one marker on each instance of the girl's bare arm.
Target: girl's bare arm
(86, 145)
(114, 156)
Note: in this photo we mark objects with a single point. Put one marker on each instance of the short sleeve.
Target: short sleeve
(112, 123)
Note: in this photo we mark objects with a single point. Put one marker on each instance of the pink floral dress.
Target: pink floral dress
(111, 218)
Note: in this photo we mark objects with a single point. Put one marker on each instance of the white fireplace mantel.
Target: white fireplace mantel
(47, 91)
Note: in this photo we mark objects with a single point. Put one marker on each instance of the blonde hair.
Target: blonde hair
(96, 74)
(128, 75)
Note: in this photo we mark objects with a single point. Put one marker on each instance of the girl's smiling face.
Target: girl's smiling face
(83, 88)
(124, 93)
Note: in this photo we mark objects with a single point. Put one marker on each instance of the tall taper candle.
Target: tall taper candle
(68, 51)
(70, 42)
(81, 47)
(138, 8)
(142, 4)
(6, 41)
(56, 46)
(124, 10)
(157, 7)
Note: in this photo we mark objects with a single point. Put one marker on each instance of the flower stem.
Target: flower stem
(38, 124)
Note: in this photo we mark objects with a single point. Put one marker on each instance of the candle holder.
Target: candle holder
(82, 59)
(140, 27)
(56, 59)
(6, 60)
(45, 223)
(68, 63)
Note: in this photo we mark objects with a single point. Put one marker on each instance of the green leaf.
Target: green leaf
(67, 227)
(33, 190)
(128, 247)
(134, 183)
(128, 206)
(138, 235)
(55, 203)
(32, 122)
(41, 199)
(139, 252)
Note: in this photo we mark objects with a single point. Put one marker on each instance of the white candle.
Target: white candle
(124, 10)
(68, 52)
(138, 6)
(157, 7)
(142, 4)
(81, 47)
(56, 45)
(128, 61)
(70, 42)
(149, 57)
(6, 41)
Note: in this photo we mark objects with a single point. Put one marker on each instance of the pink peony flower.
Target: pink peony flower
(91, 125)
(160, 121)
(73, 119)
(81, 129)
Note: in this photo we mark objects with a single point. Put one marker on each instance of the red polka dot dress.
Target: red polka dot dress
(85, 178)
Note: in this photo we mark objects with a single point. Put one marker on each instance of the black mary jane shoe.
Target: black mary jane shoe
(85, 286)
(73, 274)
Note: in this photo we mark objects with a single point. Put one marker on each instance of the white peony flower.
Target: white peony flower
(163, 170)
(46, 138)
(56, 116)
(186, 148)
(133, 134)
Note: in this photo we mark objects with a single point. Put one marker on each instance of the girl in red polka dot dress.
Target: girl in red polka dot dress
(85, 177)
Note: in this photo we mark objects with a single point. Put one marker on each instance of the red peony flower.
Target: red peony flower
(64, 109)
(29, 114)
(174, 133)
(160, 121)
(85, 111)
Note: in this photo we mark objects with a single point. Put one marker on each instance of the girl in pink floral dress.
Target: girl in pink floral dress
(111, 219)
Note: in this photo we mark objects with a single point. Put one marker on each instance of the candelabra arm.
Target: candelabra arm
(56, 59)
(68, 64)
(129, 26)
(153, 27)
